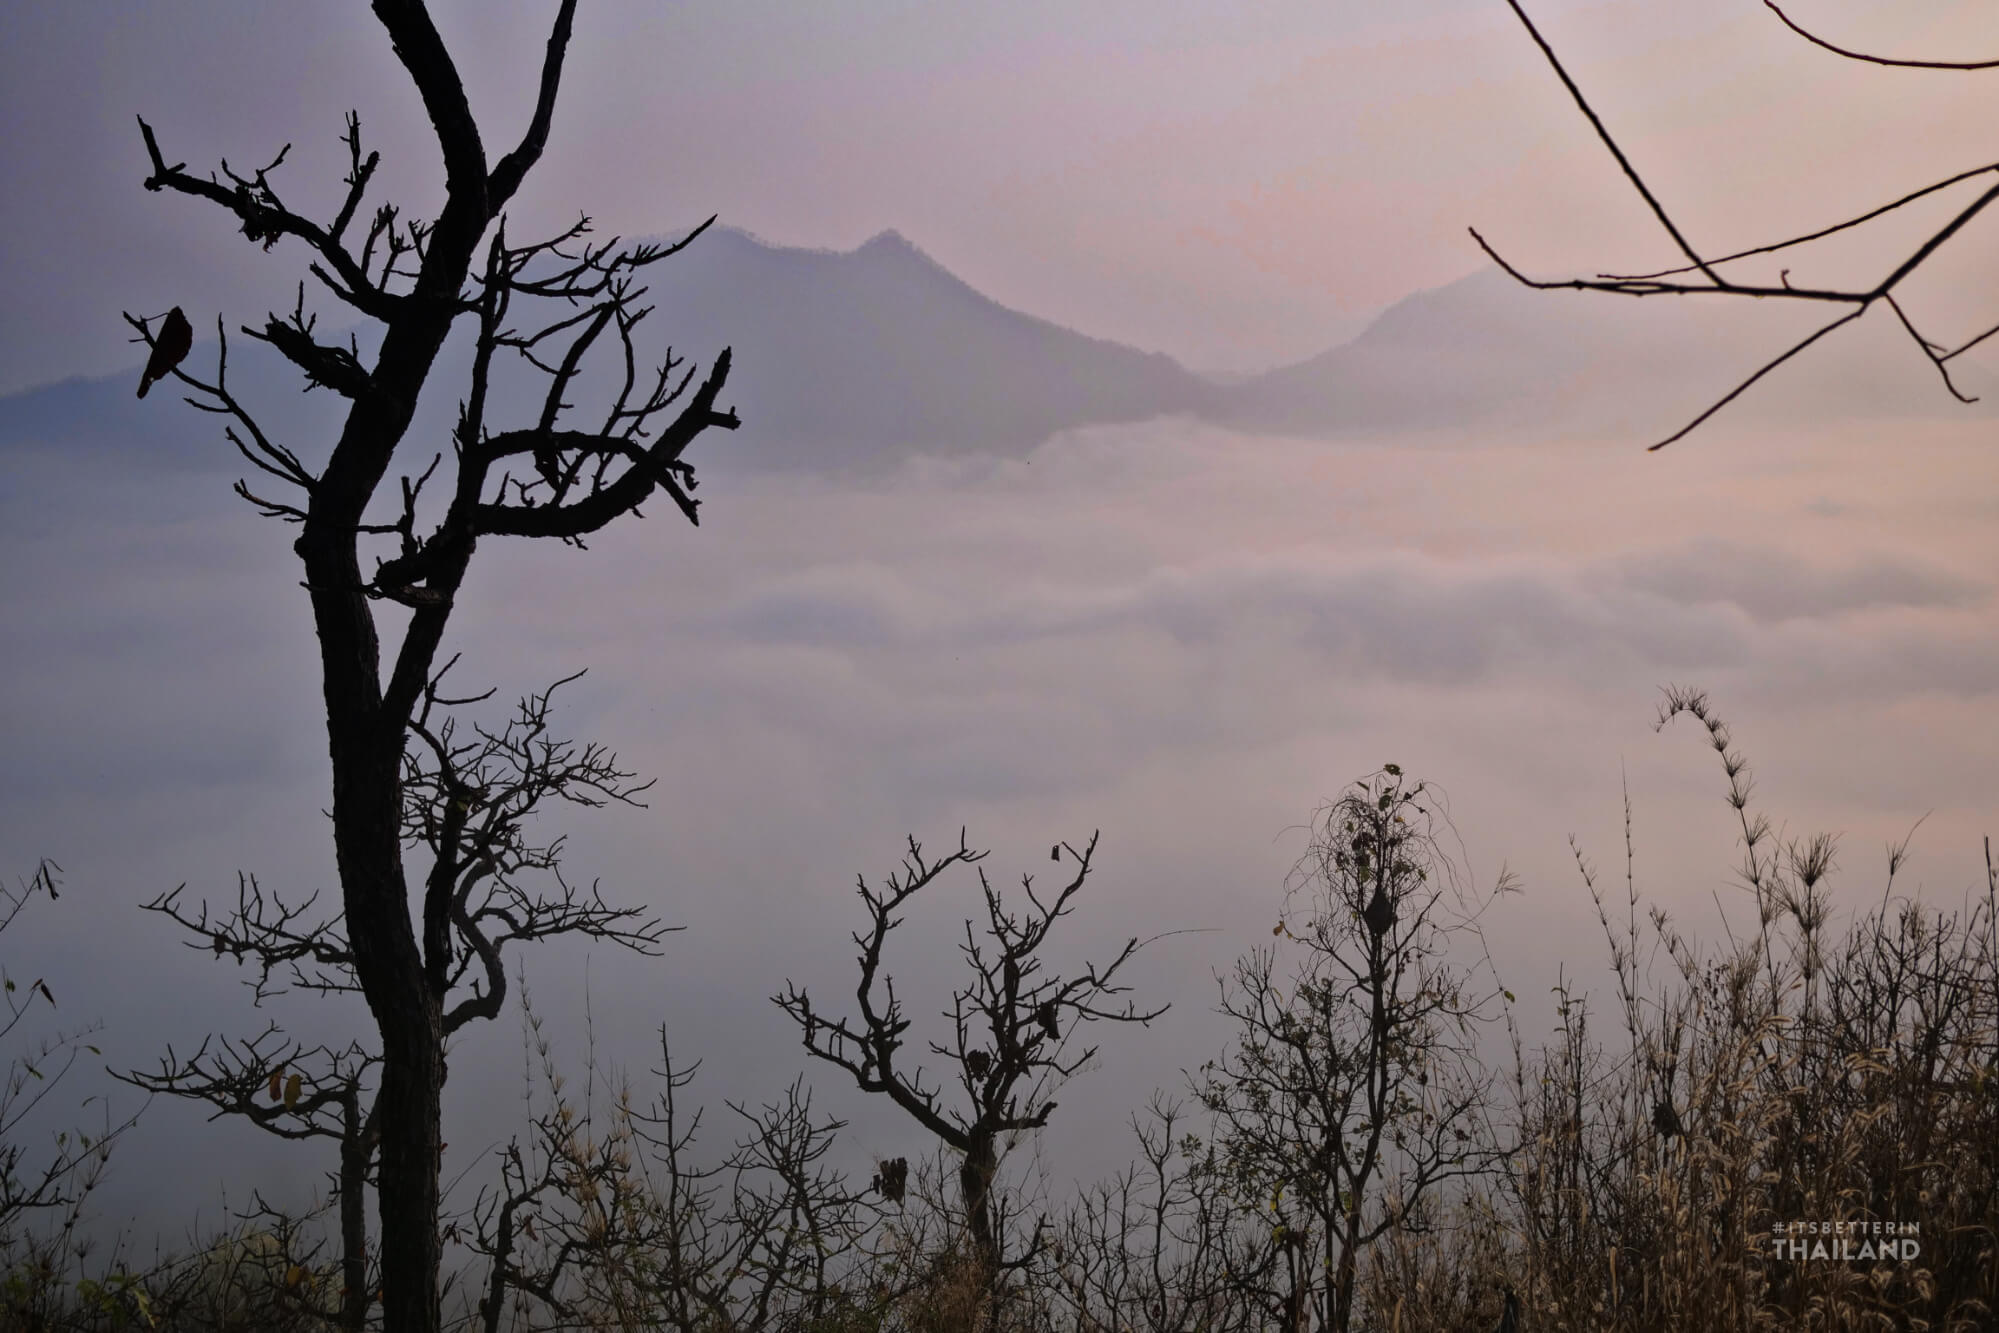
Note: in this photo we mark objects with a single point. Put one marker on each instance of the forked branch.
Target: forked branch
(1860, 299)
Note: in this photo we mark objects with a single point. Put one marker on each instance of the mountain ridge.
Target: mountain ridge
(854, 359)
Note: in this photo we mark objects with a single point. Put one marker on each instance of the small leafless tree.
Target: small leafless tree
(1705, 272)
(607, 1212)
(1353, 1096)
(293, 1091)
(1158, 1248)
(549, 476)
(469, 802)
(1010, 1029)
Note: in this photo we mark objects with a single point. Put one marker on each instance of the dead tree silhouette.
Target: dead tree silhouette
(1007, 1028)
(419, 279)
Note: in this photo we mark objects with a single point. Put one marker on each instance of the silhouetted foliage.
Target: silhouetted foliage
(1353, 1094)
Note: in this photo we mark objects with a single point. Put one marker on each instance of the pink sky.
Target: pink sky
(1236, 187)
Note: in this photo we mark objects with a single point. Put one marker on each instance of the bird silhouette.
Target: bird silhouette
(170, 347)
(1049, 1020)
(1509, 1319)
(1666, 1120)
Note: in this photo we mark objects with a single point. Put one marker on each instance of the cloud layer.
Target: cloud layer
(1182, 636)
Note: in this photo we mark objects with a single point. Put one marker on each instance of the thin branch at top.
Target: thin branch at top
(1861, 299)
(1630, 172)
(1818, 235)
(1819, 41)
(514, 166)
(423, 54)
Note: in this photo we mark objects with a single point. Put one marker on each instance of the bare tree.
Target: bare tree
(1159, 1248)
(418, 279)
(468, 803)
(608, 1214)
(1353, 1096)
(1009, 1029)
(1707, 273)
(293, 1091)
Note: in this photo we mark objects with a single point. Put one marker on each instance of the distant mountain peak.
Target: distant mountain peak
(892, 248)
(887, 246)
(888, 239)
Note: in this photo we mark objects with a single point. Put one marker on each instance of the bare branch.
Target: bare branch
(1931, 350)
(431, 68)
(650, 467)
(1760, 372)
(359, 173)
(287, 946)
(1809, 237)
(1657, 283)
(335, 368)
(264, 220)
(277, 1084)
(507, 175)
(1624, 163)
(1653, 286)
(1819, 41)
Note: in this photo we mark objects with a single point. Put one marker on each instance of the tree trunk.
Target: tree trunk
(1345, 1272)
(366, 750)
(365, 735)
(357, 1150)
(975, 1184)
(411, 1099)
(367, 797)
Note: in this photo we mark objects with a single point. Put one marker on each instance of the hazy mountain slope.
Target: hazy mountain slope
(857, 359)
(842, 357)
(1487, 352)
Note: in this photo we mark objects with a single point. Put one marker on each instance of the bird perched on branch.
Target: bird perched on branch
(170, 348)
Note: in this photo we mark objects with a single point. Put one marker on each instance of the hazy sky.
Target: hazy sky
(1184, 637)
(1233, 184)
